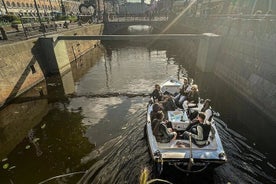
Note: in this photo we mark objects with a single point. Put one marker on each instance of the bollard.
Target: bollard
(4, 34)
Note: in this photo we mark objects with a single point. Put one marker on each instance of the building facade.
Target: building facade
(45, 7)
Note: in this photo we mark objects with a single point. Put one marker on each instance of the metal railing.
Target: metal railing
(30, 30)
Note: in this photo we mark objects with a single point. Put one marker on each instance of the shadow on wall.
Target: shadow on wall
(29, 77)
(36, 70)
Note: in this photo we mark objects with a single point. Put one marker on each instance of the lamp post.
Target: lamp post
(99, 13)
(4, 4)
(39, 18)
(51, 7)
(21, 19)
(62, 8)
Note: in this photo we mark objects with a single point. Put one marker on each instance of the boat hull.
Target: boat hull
(183, 154)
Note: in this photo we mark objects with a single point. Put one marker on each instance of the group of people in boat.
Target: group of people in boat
(187, 100)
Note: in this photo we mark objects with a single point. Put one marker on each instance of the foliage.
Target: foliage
(3, 23)
(8, 18)
(73, 18)
(61, 17)
(16, 22)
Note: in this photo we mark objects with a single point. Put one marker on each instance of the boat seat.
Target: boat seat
(192, 105)
(180, 144)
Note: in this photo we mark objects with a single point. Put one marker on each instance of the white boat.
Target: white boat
(183, 154)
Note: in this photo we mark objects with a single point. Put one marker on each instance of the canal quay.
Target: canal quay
(73, 101)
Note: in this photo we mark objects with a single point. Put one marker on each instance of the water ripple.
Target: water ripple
(122, 159)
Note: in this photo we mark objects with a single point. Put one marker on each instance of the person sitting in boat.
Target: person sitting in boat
(157, 94)
(183, 92)
(160, 130)
(199, 130)
(206, 108)
(155, 108)
(168, 103)
(192, 98)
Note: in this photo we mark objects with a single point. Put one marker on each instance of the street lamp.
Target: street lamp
(21, 19)
(99, 13)
(51, 8)
(4, 4)
(39, 18)
(62, 8)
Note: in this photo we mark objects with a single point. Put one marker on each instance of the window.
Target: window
(27, 5)
(23, 5)
(18, 4)
(13, 4)
(31, 5)
(8, 3)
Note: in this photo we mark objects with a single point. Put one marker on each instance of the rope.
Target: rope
(63, 175)
(189, 171)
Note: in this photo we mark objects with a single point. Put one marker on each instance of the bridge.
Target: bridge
(116, 24)
(56, 60)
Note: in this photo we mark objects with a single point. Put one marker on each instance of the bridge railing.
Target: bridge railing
(112, 18)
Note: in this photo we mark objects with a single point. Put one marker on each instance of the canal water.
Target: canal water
(91, 120)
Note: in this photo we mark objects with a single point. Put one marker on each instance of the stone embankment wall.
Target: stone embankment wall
(77, 48)
(246, 56)
(19, 66)
(18, 69)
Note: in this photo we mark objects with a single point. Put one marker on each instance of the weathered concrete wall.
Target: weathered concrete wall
(246, 56)
(15, 69)
(18, 61)
(77, 48)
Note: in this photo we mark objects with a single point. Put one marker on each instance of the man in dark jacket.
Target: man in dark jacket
(199, 130)
(157, 94)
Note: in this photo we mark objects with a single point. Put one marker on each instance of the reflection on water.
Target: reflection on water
(94, 121)
(140, 29)
(131, 69)
(23, 114)
(68, 83)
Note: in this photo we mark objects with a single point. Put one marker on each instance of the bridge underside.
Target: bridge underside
(139, 37)
(115, 27)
